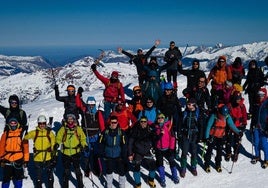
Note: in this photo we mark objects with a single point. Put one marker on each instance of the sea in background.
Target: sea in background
(61, 55)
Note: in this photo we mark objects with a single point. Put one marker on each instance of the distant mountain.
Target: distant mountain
(10, 65)
(31, 77)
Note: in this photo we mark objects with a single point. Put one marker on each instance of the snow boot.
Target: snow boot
(38, 184)
(151, 183)
(207, 168)
(183, 172)
(227, 156)
(109, 180)
(122, 181)
(138, 185)
(193, 170)
(174, 174)
(264, 164)
(161, 172)
(218, 169)
(255, 160)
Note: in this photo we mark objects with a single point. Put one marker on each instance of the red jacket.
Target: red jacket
(239, 114)
(113, 91)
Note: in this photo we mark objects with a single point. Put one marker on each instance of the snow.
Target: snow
(244, 174)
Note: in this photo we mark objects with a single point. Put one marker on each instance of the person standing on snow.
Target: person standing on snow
(189, 134)
(140, 144)
(172, 57)
(113, 90)
(135, 105)
(140, 60)
(165, 147)
(14, 111)
(70, 104)
(215, 133)
(73, 141)
(44, 156)
(92, 126)
(14, 154)
(113, 148)
(259, 127)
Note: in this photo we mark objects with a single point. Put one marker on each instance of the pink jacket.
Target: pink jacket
(166, 140)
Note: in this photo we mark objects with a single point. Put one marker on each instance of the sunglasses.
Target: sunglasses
(161, 117)
(143, 121)
(113, 122)
(42, 123)
(13, 102)
(71, 91)
(137, 92)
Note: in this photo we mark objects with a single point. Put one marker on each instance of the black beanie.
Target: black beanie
(14, 98)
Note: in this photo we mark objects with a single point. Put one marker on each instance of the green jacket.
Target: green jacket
(72, 140)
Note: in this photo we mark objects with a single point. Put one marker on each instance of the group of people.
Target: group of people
(119, 134)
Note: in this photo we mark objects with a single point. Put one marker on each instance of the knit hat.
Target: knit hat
(191, 101)
(115, 74)
(13, 98)
(71, 115)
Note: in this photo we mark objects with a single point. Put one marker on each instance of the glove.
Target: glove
(56, 146)
(80, 90)
(94, 67)
(240, 134)
(56, 87)
(25, 164)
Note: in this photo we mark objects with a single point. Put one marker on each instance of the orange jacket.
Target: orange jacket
(12, 146)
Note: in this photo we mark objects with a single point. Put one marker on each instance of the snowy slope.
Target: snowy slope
(244, 173)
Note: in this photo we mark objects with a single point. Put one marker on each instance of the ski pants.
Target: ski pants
(39, 166)
(67, 162)
(218, 143)
(260, 141)
(189, 144)
(12, 171)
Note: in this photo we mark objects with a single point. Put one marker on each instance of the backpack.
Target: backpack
(8, 112)
(112, 90)
(47, 135)
(218, 128)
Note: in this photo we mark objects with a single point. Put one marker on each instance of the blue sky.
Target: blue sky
(139, 22)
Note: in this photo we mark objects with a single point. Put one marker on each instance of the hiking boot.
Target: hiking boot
(138, 185)
(193, 170)
(265, 164)
(176, 180)
(255, 160)
(218, 169)
(183, 172)
(163, 183)
(151, 183)
(235, 157)
(207, 168)
(227, 157)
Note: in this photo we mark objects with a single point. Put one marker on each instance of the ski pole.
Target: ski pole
(185, 50)
(235, 154)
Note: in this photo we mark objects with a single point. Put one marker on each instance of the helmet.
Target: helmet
(136, 88)
(224, 110)
(168, 86)
(41, 119)
(91, 100)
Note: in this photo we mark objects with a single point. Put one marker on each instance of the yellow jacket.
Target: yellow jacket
(44, 142)
(12, 147)
(72, 140)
